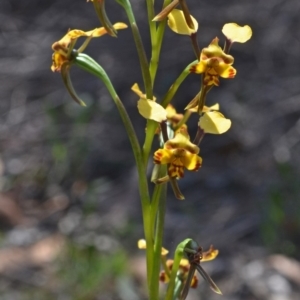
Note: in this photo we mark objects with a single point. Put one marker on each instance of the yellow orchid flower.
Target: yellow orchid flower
(177, 23)
(179, 153)
(64, 47)
(214, 63)
(214, 122)
(64, 54)
(237, 33)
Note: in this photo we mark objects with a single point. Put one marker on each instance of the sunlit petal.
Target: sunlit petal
(163, 156)
(225, 71)
(237, 33)
(214, 122)
(191, 161)
(199, 67)
(151, 110)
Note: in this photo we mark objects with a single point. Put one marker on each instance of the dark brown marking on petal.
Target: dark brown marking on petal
(193, 69)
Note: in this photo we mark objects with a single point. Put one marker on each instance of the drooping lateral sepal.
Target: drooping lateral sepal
(65, 74)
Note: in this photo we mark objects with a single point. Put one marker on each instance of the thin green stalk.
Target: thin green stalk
(91, 66)
(173, 89)
(139, 46)
(155, 200)
(150, 132)
(156, 45)
(152, 25)
(160, 221)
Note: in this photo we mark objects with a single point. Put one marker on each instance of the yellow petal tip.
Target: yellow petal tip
(151, 110)
(237, 33)
(214, 122)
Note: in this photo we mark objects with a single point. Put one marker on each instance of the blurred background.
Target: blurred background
(70, 214)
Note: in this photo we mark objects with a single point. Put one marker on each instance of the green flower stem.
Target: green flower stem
(173, 89)
(150, 132)
(88, 64)
(155, 199)
(156, 44)
(161, 194)
(151, 125)
(152, 25)
(139, 46)
(156, 47)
